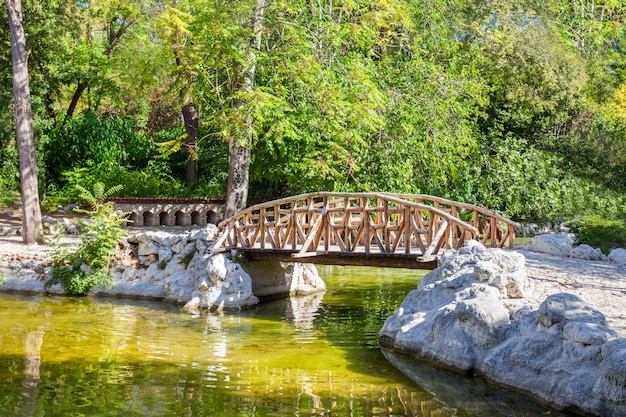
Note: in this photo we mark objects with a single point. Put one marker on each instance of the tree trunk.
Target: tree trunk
(190, 118)
(31, 211)
(80, 88)
(239, 149)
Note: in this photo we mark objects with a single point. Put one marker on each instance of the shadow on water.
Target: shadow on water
(83, 357)
(352, 315)
(469, 395)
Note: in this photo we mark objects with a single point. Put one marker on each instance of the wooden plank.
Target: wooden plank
(355, 259)
(312, 232)
(367, 238)
(418, 232)
(321, 232)
(434, 243)
(223, 236)
(261, 228)
(407, 229)
(494, 232)
(386, 225)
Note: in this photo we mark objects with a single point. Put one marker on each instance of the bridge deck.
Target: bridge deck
(335, 257)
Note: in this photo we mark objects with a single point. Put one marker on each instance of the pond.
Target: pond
(316, 356)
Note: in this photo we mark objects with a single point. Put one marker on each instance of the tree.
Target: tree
(173, 24)
(109, 21)
(31, 211)
(240, 145)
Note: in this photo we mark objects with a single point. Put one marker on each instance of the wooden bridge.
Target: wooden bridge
(369, 229)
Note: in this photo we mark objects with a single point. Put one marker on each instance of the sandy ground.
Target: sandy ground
(601, 284)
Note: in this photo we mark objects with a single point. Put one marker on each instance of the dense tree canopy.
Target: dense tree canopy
(519, 106)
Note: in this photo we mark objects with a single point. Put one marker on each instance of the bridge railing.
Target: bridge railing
(494, 230)
(367, 223)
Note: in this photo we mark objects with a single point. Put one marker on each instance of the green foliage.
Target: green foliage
(93, 141)
(519, 106)
(86, 267)
(598, 231)
(9, 169)
(186, 258)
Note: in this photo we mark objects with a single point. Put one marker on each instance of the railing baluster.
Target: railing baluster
(349, 223)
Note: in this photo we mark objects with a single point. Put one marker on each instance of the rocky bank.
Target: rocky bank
(177, 268)
(481, 312)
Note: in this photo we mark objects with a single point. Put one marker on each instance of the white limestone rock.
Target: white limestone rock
(559, 244)
(170, 268)
(561, 352)
(148, 248)
(612, 383)
(457, 310)
(215, 283)
(618, 256)
(304, 279)
(586, 252)
(556, 353)
(207, 234)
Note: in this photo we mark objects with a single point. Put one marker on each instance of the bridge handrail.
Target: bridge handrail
(256, 223)
(386, 196)
(466, 206)
(439, 200)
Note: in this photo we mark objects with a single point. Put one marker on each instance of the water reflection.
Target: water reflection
(303, 310)
(315, 356)
(470, 394)
(32, 363)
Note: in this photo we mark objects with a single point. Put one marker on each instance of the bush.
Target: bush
(152, 181)
(86, 267)
(9, 170)
(91, 140)
(600, 232)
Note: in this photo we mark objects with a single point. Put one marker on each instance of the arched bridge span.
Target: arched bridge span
(372, 229)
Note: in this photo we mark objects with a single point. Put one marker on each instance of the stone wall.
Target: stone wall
(170, 211)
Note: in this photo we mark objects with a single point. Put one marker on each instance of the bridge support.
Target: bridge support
(273, 279)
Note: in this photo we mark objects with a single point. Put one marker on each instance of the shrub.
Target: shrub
(86, 267)
(600, 232)
(148, 182)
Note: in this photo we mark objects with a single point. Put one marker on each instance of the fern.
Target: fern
(97, 198)
(86, 267)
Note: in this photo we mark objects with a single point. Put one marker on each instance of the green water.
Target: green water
(313, 357)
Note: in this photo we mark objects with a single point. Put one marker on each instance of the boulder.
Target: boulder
(586, 252)
(456, 313)
(462, 316)
(618, 256)
(559, 244)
